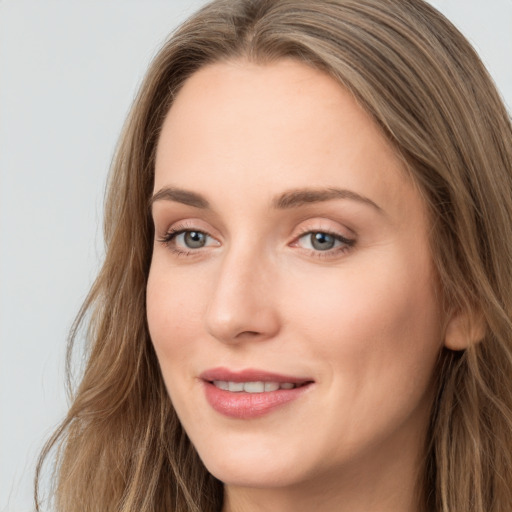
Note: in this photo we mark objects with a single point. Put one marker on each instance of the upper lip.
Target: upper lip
(250, 375)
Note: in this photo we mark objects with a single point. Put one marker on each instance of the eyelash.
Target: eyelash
(168, 241)
(348, 243)
(169, 237)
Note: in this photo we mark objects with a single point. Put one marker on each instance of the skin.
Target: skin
(361, 319)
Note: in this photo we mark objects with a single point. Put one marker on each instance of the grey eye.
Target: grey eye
(322, 241)
(194, 239)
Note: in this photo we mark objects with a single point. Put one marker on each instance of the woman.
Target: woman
(306, 300)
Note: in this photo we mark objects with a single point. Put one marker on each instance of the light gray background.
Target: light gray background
(68, 73)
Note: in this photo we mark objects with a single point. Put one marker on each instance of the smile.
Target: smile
(249, 394)
(252, 387)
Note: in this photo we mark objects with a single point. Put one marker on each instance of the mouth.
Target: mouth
(250, 393)
(253, 386)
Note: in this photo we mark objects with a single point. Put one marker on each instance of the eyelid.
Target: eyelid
(187, 224)
(175, 234)
(333, 254)
(339, 237)
(322, 225)
(171, 233)
(325, 225)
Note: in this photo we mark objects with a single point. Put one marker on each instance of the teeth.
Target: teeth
(221, 384)
(252, 387)
(235, 386)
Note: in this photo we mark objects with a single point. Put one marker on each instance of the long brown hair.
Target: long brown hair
(121, 447)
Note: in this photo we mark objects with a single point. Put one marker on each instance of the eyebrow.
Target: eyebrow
(290, 199)
(179, 195)
(301, 196)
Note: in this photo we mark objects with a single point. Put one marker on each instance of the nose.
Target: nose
(242, 305)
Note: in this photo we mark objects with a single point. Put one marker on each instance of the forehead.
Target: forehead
(282, 125)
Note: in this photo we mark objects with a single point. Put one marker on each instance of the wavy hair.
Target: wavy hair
(121, 447)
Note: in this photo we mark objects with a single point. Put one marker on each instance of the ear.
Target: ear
(464, 329)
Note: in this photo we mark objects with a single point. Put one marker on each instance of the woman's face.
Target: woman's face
(291, 266)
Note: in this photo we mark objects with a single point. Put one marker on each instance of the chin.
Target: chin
(246, 474)
(253, 468)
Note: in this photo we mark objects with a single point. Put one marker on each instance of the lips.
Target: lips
(250, 393)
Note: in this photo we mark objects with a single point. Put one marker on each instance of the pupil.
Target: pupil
(322, 241)
(194, 239)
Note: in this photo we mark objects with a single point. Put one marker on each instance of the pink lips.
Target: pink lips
(245, 405)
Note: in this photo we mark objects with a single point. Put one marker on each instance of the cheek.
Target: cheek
(378, 335)
(173, 310)
(372, 323)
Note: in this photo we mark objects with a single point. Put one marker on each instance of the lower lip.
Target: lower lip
(245, 406)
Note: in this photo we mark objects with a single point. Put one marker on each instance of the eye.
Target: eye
(191, 239)
(185, 241)
(322, 241)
